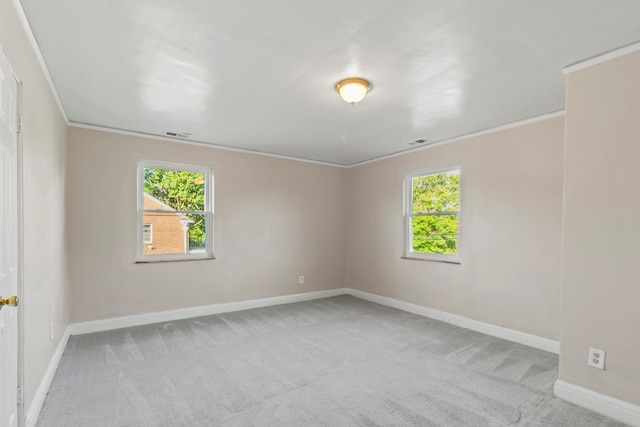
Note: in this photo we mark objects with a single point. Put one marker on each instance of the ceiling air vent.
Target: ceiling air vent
(178, 135)
(418, 142)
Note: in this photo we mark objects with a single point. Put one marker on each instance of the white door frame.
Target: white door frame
(20, 241)
(19, 181)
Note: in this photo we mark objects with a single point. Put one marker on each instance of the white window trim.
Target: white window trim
(141, 257)
(408, 209)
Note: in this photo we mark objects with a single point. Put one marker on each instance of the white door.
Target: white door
(9, 254)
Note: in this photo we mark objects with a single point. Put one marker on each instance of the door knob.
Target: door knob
(11, 301)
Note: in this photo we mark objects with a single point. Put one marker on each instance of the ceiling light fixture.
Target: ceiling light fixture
(353, 90)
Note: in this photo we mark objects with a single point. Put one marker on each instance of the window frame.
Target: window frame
(208, 212)
(409, 214)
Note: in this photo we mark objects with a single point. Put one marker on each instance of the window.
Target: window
(432, 217)
(147, 234)
(175, 212)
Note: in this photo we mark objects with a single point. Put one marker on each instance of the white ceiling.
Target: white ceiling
(260, 75)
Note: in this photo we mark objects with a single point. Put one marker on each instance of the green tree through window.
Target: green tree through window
(435, 202)
(182, 191)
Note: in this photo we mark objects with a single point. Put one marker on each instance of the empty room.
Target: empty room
(337, 213)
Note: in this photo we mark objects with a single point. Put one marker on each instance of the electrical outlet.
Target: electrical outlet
(301, 280)
(596, 358)
(51, 331)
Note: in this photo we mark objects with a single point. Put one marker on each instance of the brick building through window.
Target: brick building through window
(165, 232)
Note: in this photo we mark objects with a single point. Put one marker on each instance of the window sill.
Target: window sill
(153, 261)
(446, 261)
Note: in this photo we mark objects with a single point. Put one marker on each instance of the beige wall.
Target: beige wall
(511, 190)
(45, 262)
(275, 219)
(601, 268)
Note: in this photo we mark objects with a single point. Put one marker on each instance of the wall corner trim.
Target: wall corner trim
(601, 403)
(602, 58)
(535, 341)
(47, 379)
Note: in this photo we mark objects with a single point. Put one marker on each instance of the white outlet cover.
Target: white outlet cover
(596, 358)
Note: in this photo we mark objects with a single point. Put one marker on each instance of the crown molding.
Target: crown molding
(602, 58)
(36, 50)
(198, 144)
(495, 129)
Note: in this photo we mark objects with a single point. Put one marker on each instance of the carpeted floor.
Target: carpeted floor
(333, 362)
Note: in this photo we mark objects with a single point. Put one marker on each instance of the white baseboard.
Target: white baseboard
(43, 388)
(186, 313)
(208, 310)
(598, 402)
(486, 328)
(190, 312)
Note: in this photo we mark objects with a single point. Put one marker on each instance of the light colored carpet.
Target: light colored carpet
(333, 362)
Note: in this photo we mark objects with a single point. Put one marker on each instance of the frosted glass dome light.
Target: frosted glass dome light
(353, 90)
